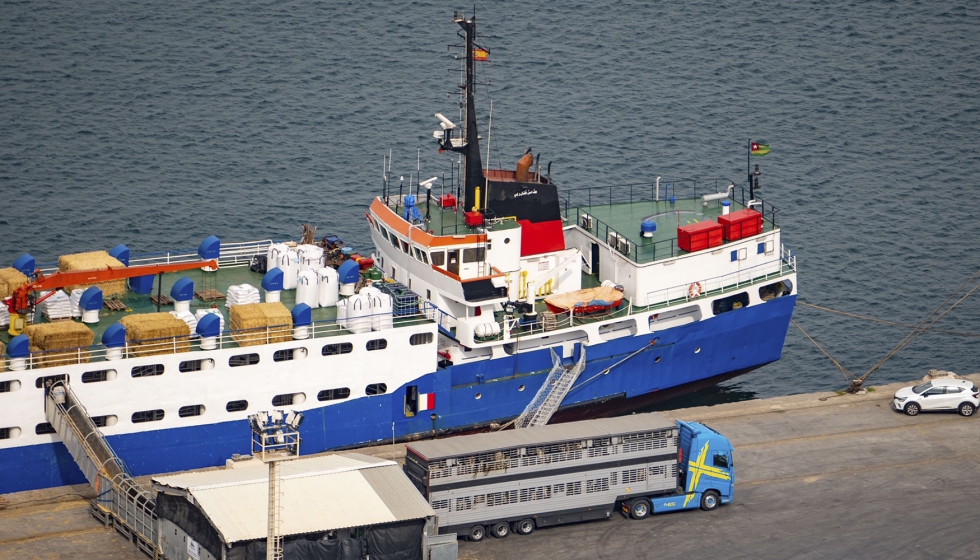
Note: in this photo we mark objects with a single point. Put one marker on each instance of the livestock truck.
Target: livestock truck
(519, 480)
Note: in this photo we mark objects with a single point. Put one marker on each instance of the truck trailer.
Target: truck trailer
(520, 480)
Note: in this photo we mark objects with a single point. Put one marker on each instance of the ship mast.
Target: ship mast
(473, 177)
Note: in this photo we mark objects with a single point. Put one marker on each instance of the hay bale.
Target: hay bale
(261, 323)
(59, 344)
(149, 334)
(94, 260)
(10, 280)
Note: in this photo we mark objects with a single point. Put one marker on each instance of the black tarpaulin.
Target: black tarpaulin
(396, 541)
(301, 549)
(185, 515)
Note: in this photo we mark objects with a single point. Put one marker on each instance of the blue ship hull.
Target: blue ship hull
(468, 396)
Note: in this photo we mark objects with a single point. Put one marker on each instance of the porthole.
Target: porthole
(195, 365)
(521, 388)
(478, 396)
(236, 406)
(243, 360)
(147, 371)
(420, 338)
(657, 359)
(191, 410)
(333, 394)
(9, 386)
(290, 354)
(289, 399)
(697, 350)
(104, 421)
(10, 433)
(377, 344)
(40, 381)
(44, 428)
(148, 416)
(376, 389)
(99, 375)
(335, 349)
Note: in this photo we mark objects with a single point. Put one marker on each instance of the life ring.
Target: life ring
(695, 290)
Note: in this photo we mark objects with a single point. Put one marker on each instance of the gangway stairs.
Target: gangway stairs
(120, 502)
(551, 394)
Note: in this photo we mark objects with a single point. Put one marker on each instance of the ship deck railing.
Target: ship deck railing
(246, 339)
(232, 254)
(548, 321)
(583, 206)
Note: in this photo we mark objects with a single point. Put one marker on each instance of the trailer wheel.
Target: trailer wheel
(523, 527)
(500, 530)
(709, 500)
(477, 532)
(639, 508)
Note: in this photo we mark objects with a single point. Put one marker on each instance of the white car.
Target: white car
(939, 394)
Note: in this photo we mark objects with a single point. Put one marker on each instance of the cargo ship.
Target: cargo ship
(491, 297)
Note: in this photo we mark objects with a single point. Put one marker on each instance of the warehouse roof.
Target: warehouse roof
(554, 433)
(318, 494)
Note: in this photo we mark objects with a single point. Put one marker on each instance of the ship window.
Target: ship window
(195, 365)
(425, 257)
(283, 400)
(147, 371)
(475, 254)
(376, 389)
(730, 303)
(333, 394)
(377, 344)
(243, 360)
(776, 290)
(103, 421)
(290, 354)
(9, 433)
(417, 253)
(191, 410)
(420, 338)
(334, 349)
(9, 386)
(39, 382)
(236, 406)
(97, 376)
(147, 416)
(405, 247)
(439, 258)
(44, 428)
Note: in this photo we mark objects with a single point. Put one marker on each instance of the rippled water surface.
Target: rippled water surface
(158, 124)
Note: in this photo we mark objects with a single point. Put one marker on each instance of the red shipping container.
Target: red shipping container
(473, 219)
(447, 201)
(699, 236)
(744, 223)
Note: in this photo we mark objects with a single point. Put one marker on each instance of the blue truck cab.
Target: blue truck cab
(705, 474)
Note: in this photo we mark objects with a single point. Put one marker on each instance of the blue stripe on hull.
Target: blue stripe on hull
(738, 340)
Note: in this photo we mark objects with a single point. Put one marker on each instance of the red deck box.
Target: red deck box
(473, 219)
(744, 223)
(699, 236)
(447, 201)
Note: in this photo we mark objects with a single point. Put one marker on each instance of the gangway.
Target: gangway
(551, 394)
(120, 501)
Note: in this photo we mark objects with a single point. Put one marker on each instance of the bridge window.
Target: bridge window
(439, 258)
(475, 254)
(97, 376)
(191, 410)
(377, 344)
(147, 371)
(335, 349)
(236, 406)
(376, 389)
(420, 338)
(147, 416)
(333, 394)
(243, 360)
(39, 382)
(195, 365)
(44, 428)
(290, 354)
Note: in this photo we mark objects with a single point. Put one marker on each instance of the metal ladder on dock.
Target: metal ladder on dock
(120, 501)
(551, 394)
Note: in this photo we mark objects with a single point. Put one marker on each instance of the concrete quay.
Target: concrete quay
(818, 475)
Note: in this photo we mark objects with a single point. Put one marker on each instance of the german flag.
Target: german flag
(759, 149)
(481, 55)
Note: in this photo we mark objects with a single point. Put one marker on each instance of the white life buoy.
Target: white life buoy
(695, 290)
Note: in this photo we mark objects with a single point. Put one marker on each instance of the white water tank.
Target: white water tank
(306, 289)
(382, 311)
(310, 257)
(328, 287)
(359, 314)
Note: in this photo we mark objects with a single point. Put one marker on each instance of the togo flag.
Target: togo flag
(759, 149)
(427, 401)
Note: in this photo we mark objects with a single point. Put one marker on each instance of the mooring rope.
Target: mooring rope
(847, 374)
(885, 322)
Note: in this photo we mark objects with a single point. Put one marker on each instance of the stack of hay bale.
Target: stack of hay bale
(149, 334)
(95, 260)
(261, 323)
(10, 280)
(59, 344)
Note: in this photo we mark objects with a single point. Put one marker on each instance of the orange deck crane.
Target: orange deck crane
(21, 303)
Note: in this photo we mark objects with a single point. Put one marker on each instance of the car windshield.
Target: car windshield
(918, 389)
